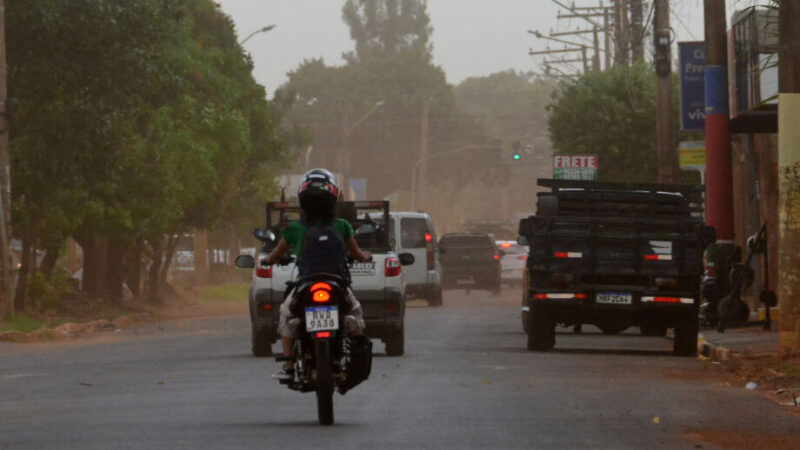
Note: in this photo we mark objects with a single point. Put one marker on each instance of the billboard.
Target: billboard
(692, 59)
(575, 167)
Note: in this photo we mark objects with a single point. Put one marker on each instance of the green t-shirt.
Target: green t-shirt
(295, 234)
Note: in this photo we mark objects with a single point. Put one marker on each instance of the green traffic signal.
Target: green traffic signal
(516, 157)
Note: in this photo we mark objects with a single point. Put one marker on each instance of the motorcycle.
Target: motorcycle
(325, 357)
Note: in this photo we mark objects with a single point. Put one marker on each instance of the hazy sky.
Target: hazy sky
(470, 37)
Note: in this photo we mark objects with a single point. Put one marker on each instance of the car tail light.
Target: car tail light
(560, 296)
(568, 255)
(392, 267)
(264, 272)
(496, 257)
(651, 299)
(655, 257)
(522, 257)
(505, 245)
(266, 307)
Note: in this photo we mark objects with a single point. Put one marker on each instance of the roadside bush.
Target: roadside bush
(49, 293)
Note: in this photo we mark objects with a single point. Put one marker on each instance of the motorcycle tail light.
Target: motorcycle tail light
(321, 292)
(392, 267)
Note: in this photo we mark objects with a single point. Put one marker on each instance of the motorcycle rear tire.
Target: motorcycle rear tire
(322, 357)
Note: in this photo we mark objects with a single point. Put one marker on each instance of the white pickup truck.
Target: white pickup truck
(378, 285)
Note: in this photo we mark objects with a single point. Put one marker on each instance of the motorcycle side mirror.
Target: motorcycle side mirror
(245, 262)
(264, 235)
(406, 259)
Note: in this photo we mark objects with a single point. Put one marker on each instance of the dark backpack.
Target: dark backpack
(323, 251)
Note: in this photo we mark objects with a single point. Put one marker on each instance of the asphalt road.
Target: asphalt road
(466, 381)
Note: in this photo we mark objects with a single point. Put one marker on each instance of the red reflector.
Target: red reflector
(266, 307)
(321, 296)
(580, 296)
(540, 296)
(318, 286)
(323, 334)
(264, 272)
(667, 299)
(560, 296)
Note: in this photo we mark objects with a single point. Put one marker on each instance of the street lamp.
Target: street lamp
(260, 30)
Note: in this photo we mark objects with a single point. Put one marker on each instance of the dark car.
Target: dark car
(470, 261)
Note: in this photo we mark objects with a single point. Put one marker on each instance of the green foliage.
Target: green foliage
(228, 292)
(387, 27)
(21, 322)
(48, 292)
(611, 114)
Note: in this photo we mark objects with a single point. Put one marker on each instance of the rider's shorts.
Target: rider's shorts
(287, 329)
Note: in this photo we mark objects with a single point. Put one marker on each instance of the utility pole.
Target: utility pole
(423, 144)
(6, 296)
(789, 178)
(663, 63)
(637, 30)
(607, 27)
(620, 46)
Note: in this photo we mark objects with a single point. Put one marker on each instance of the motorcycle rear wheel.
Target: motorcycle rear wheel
(324, 381)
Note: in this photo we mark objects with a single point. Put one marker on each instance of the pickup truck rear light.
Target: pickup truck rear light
(266, 307)
(560, 296)
(264, 272)
(568, 255)
(653, 299)
(522, 257)
(430, 251)
(658, 257)
(392, 267)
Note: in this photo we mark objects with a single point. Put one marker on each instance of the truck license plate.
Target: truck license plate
(615, 298)
(362, 269)
(321, 318)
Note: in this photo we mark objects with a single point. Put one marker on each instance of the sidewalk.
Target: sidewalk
(750, 341)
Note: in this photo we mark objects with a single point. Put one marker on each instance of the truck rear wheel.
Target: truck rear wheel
(541, 330)
(396, 343)
(686, 334)
(261, 342)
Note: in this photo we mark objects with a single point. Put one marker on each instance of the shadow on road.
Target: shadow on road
(611, 351)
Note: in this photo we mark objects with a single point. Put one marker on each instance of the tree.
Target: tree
(387, 27)
(611, 114)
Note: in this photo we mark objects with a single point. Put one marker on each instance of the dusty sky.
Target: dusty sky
(470, 37)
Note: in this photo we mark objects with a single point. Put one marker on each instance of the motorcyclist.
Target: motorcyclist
(318, 194)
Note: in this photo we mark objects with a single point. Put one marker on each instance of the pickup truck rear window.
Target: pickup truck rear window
(412, 232)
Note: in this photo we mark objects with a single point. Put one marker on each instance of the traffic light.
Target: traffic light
(515, 153)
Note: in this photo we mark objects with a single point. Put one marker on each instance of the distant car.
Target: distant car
(512, 261)
(470, 261)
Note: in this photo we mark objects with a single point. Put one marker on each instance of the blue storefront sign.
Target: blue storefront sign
(692, 58)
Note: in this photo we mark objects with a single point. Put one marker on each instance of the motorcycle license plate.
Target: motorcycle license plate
(321, 318)
(615, 298)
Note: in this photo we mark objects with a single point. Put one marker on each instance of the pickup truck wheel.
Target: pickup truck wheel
(396, 343)
(686, 334)
(262, 342)
(541, 330)
(435, 299)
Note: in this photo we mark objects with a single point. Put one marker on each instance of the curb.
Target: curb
(72, 330)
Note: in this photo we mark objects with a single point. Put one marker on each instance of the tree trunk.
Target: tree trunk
(169, 252)
(153, 272)
(95, 253)
(114, 273)
(201, 257)
(133, 268)
(50, 259)
(21, 294)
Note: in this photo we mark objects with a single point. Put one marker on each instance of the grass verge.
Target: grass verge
(21, 322)
(226, 293)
